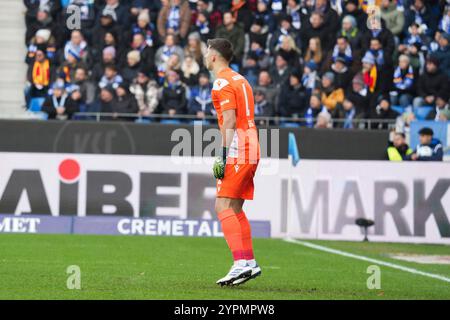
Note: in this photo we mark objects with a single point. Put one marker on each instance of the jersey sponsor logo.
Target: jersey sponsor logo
(219, 84)
(224, 102)
(237, 77)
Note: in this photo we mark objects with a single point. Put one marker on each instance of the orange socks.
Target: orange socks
(237, 232)
(231, 229)
(246, 236)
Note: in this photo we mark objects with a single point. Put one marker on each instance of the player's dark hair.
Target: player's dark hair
(222, 46)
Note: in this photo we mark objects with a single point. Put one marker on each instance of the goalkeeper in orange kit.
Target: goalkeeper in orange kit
(234, 170)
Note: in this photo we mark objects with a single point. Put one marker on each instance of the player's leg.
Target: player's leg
(226, 211)
(247, 245)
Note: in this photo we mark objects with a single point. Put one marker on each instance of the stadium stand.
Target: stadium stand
(12, 53)
(313, 63)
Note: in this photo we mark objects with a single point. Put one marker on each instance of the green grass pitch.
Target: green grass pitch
(124, 267)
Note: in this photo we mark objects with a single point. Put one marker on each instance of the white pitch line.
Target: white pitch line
(363, 258)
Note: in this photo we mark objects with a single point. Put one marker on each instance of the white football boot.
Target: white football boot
(239, 270)
(256, 271)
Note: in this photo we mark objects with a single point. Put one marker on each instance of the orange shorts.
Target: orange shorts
(237, 182)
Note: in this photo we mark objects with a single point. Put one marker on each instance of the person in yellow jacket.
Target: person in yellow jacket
(398, 149)
(331, 95)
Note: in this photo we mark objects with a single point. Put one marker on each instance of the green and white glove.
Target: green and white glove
(219, 165)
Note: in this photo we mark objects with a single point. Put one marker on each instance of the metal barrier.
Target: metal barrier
(369, 124)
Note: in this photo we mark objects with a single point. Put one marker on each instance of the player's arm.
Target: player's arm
(228, 105)
(228, 128)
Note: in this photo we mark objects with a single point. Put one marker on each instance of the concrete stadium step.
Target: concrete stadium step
(12, 56)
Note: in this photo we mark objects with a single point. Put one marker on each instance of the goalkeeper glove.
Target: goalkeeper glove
(219, 164)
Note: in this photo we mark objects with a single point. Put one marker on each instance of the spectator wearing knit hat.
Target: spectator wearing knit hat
(265, 15)
(195, 47)
(342, 74)
(359, 95)
(59, 105)
(44, 20)
(349, 30)
(331, 95)
(107, 23)
(200, 102)
(352, 8)
(44, 40)
(348, 111)
(310, 78)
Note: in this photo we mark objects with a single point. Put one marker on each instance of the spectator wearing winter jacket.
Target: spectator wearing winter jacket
(350, 31)
(342, 74)
(280, 71)
(441, 107)
(348, 112)
(383, 111)
(316, 28)
(353, 9)
(132, 66)
(59, 105)
(263, 108)
(429, 148)
(442, 54)
(310, 78)
(314, 109)
(432, 82)
(380, 32)
(145, 90)
(110, 77)
(39, 75)
(200, 102)
(174, 18)
(403, 83)
(173, 99)
(395, 19)
(284, 29)
(421, 13)
(331, 95)
(86, 87)
(123, 102)
(119, 10)
(291, 101)
(234, 33)
(359, 95)
(43, 40)
(266, 85)
(341, 49)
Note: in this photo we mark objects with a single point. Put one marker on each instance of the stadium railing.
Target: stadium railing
(192, 119)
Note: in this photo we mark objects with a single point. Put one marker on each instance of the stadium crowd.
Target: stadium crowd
(312, 60)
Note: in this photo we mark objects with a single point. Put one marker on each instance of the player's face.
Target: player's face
(209, 58)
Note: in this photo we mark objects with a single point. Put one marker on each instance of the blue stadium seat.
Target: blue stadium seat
(399, 109)
(65, 3)
(143, 120)
(286, 124)
(36, 104)
(422, 112)
(170, 121)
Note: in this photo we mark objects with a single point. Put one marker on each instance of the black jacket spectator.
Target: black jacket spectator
(173, 100)
(292, 97)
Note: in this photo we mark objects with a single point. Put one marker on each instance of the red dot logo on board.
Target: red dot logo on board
(69, 170)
